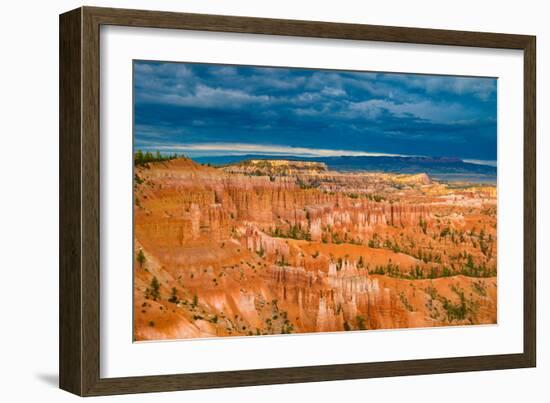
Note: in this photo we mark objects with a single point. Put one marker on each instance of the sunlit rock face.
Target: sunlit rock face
(284, 247)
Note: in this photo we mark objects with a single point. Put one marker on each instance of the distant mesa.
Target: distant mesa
(279, 167)
(394, 164)
(287, 163)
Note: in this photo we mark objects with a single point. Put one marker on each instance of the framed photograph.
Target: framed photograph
(249, 201)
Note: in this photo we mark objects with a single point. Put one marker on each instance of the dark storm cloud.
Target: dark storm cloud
(193, 105)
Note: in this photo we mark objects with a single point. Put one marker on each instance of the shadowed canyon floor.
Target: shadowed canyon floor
(277, 247)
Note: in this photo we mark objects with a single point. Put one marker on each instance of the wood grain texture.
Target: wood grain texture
(90, 202)
(316, 29)
(80, 196)
(530, 203)
(70, 271)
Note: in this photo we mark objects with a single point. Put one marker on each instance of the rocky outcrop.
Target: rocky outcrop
(276, 167)
(197, 202)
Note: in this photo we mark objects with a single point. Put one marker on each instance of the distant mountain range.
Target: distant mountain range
(410, 165)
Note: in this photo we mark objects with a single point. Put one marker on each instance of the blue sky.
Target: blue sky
(207, 109)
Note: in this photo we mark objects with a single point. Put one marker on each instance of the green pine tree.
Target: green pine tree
(154, 290)
(141, 259)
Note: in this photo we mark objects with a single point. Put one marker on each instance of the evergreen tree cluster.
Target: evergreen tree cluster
(143, 158)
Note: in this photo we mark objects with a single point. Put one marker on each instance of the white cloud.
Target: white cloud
(490, 163)
(207, 97)
(481, 88)
(334, 92)
(211, 149)
(424, 109)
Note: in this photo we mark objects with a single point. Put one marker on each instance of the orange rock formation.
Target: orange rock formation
(282, 247)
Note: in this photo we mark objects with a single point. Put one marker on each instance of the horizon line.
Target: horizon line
(203, 150)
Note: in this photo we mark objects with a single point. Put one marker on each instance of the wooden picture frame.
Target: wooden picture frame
(79, 346)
